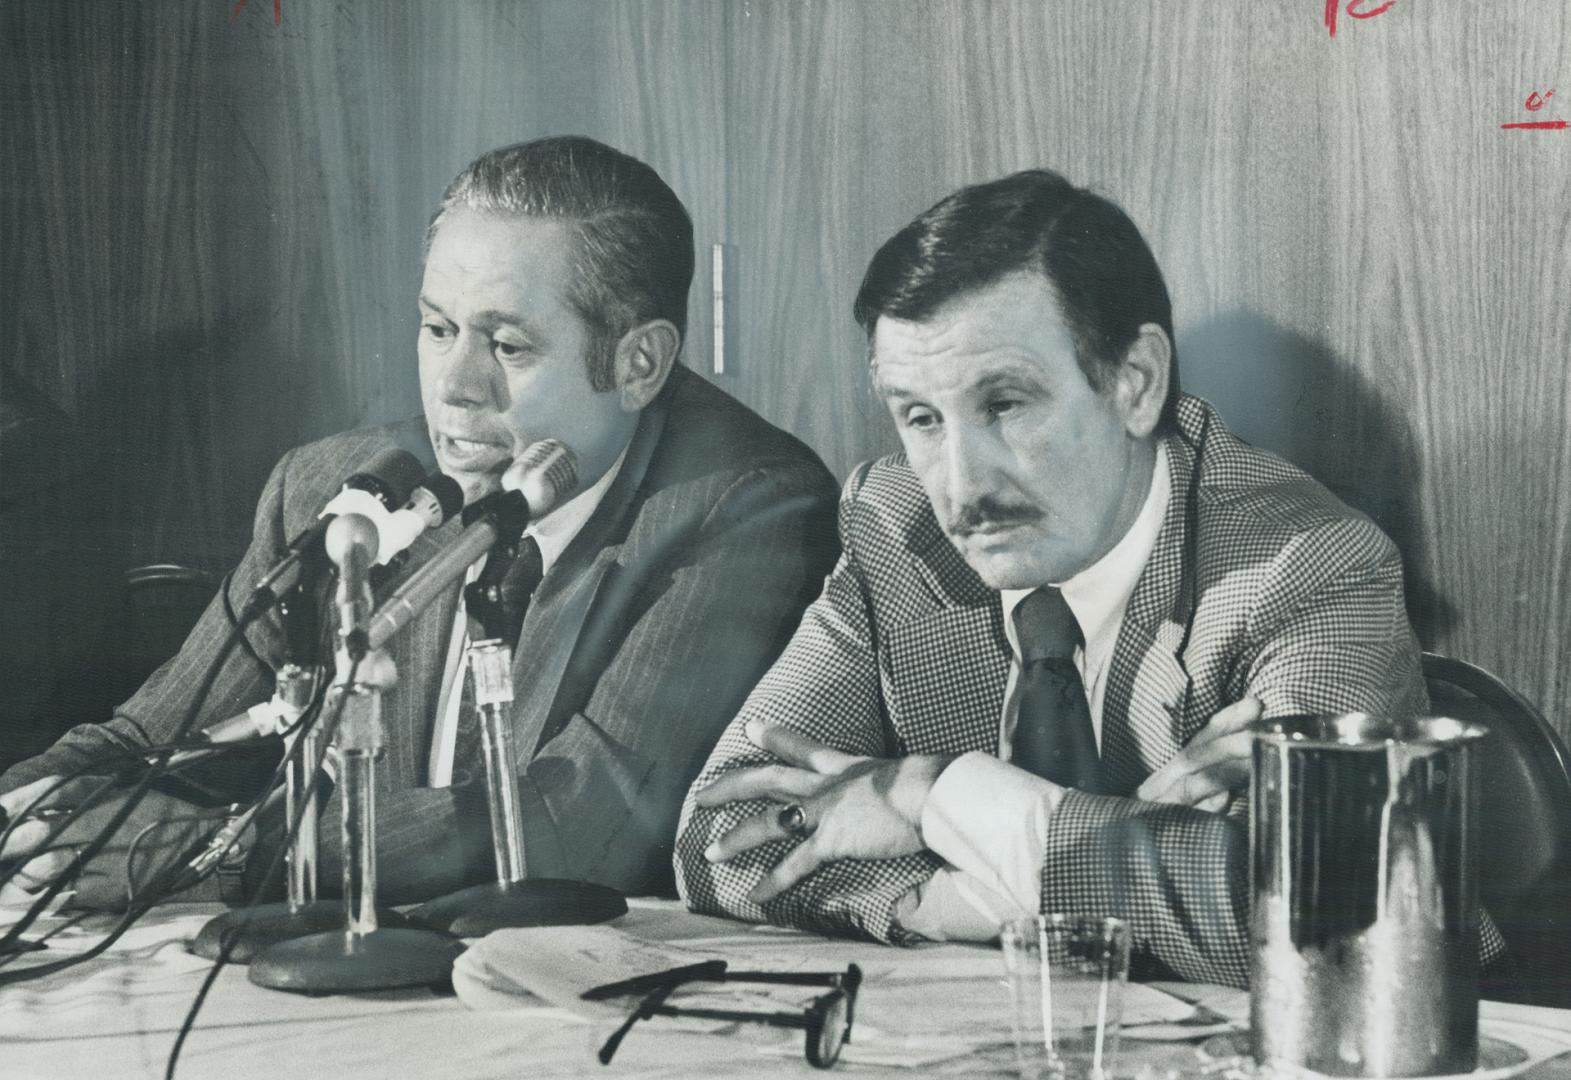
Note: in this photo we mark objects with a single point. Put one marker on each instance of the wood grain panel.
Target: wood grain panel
(797, 217)
(1363, 264)
(648, 77)
(212, 229)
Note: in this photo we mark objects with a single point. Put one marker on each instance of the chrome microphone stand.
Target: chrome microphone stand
(512, 899)
(360, 954)
(240, 934)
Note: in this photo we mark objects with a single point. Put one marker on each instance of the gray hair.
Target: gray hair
(634, 238)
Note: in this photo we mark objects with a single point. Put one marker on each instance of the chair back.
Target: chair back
(162, 603)
(1525, 813)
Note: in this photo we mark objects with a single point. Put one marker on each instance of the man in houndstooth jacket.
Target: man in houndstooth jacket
(1021, 335)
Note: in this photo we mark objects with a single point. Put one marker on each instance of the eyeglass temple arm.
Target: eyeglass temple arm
(832, 978)
(785, 1020)
(646, 1008)
(848, 979)
(706, 970)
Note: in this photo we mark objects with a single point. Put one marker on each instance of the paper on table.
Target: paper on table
(556, 964)
(948, 989)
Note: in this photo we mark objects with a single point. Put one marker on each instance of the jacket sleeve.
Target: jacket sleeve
(825, 685)
(602, 793)
(1327, 632)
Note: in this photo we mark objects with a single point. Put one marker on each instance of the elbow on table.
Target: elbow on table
(710, 888)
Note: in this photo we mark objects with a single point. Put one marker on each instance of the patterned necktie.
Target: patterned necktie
(518, 585)
(522, 578)
(1053, 733)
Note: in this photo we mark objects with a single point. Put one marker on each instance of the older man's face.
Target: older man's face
(1033, 475)
(503, 353)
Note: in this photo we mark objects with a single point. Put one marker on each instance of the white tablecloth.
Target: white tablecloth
(117, 1016)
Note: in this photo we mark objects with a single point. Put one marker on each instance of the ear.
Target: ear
(1140, 384)
(644, 358)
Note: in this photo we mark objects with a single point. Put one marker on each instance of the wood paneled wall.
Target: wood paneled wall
(212, 228)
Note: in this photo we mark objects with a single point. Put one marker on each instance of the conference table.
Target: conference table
(937, 1010)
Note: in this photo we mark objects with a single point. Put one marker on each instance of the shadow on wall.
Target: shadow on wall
(132, 480)
(1291, 395)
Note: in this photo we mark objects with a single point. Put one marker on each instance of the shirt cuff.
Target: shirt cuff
(954, 906)
(989, 819)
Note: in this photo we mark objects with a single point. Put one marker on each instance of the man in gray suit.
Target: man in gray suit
(553, 305)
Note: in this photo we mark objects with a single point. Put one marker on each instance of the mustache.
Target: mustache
(988, 511)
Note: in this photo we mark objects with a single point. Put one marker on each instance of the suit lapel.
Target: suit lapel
(420, 649)
(946, 668)
(1144, 717)
(565, 597)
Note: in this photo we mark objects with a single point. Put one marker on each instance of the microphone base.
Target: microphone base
(480, 909)
(254, 929)
(343, 962)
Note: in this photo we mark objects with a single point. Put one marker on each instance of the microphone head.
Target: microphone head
(347, 534)
(546, 473)
(437, 499)
(390, 475)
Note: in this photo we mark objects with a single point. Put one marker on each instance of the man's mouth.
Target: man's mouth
(990, 528)
(993, 522)
(473, 455)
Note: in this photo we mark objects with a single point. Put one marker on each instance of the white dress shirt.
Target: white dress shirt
(988, 819)
(553, 533)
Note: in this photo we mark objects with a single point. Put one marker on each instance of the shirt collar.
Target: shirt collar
(1098, 594)
(558, 528)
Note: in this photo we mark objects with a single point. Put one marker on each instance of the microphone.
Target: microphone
(381, 484)
(540, 479)
(430, 506)
(435, 501)
(546, 473)
(351, 542)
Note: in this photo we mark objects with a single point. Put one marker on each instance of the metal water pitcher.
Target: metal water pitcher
(1364, 867)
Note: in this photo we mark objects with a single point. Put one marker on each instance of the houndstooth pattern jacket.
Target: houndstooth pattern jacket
(1260, 583)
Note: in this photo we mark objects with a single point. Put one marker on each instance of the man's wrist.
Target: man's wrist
(914, 783)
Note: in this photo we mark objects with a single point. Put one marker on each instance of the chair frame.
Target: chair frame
(1537, 978)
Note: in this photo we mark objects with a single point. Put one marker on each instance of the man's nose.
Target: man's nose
(470, 373)
(970, 465)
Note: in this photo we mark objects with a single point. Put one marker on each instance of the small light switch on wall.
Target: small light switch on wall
(717, 277)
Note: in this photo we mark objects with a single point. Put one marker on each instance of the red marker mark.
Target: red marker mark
(1355, 9)
(241, 5)
(1353, 5)
(1534, 102)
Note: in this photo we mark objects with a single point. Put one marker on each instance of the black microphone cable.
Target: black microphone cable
(231, 937)
(170, 881)
(133, 799)
(121, 762)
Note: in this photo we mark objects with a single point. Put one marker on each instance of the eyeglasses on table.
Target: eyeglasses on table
(826, 1021)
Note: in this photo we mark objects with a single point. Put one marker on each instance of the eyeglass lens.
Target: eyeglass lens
(828, 1034)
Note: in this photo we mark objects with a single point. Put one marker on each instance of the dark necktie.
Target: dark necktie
(1053, 733)
(519, 581)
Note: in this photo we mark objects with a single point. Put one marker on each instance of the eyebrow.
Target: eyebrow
(1012, 374)
(487, 317)
(883, 389)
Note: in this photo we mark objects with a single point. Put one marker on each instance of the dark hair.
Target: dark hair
(635, 241)
(1104, 275)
